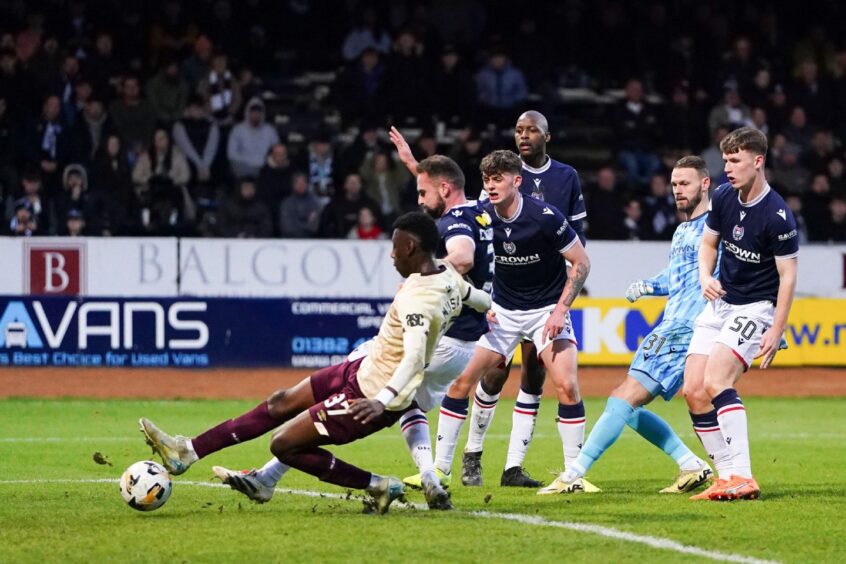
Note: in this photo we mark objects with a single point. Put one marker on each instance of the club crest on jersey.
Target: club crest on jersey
(483, 219)
(509, 247)
(737, 233)
(508, 232)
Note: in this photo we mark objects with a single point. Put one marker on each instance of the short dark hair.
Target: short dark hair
(694, 162)
(499, 162)
(439, 166)
(744, 139)
(421, 226)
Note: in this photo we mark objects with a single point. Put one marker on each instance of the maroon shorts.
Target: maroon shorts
(333, 387)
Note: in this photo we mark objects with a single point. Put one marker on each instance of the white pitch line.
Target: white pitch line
(600, 530)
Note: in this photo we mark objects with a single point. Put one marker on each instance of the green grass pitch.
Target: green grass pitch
(49, 512)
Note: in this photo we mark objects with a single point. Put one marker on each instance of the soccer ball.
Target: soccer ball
(145, 485)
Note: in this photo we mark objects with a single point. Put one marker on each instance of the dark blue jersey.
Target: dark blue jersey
(530, 271)
(469, 220)
(557, 184)
(753, 236)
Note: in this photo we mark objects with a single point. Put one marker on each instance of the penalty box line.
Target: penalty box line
(599, 530)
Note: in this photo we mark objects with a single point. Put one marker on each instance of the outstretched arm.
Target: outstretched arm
(403, 150)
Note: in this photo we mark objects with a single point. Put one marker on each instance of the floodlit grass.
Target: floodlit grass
(797, 450)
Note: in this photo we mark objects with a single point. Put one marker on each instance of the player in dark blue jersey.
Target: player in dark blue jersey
(748, 306)
(532, 295)
(555, 183)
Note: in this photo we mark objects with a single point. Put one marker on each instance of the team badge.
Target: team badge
(509, 247)
(737, 233)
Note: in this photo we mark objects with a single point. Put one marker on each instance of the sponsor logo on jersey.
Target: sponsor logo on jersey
(742, 254)
(737, 233)
(782, 214)
(486, 234)
(562, 229)
(509, 247)
(459, 226)
(519, 261)
(786, 236)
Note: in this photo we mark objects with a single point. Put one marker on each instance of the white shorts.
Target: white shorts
(514, 326)
(739, 327)
(448, 362)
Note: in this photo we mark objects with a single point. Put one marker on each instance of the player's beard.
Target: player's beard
(437, 211)
(691, 206)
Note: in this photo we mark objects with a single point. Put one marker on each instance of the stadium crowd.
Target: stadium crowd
(265, 118)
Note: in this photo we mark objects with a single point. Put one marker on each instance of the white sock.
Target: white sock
(690, 462)
(272, 472)
(451, 418)
(189, 445)
(707, 428)
(571, 428)
(732, 417)
(481, 415)
(522, 428)
(415, 430)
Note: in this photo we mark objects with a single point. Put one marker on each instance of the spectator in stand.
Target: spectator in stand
(682, 123)
(274, 180)
(102, 68)
(837, 175)
(39, 206)
(501, 88)
(198, 64)
(198, 137)
(166, 212)
(111, 180)
(760, 91)
(366, 228)
(46, 144)
(713, 157)
(75, 196)
(74, 224)
(162, 169)
(8, 152)
(384, 182)
(167, 91)
(250, 141)
(604, 196)
(795, 204)
(786, 169)
(732, 113)
(341, 214)
(468, 153)
(321, 165)
(636, 131)
(816, 158)
(89, 131)
(171, 32)
(453, 88)
(836, 224)
(299, 213)
(46, 64)
(18, 87)
(222, 91)
(65, 87)
(815, 203)
(759, 120)
(408, 80)
(243, 215)
(813, 93)
(360, 89)
(740, 65)
(367, 34)
(133, 117)
(23, 223)
(365, 145)
(838, 92)
(797, 131)
(659, 210)
(633, 219)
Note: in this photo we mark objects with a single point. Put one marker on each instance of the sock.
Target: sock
(659, 433)
(707, 428)
(571, 427)
(522, 427)
(484, 406)
(452, 416)
(732, 418)
(415, 430)
(271, 472)
(245, 427)
(323, 465)
(606, 431)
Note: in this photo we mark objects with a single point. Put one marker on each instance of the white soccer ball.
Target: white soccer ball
(145, 485)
